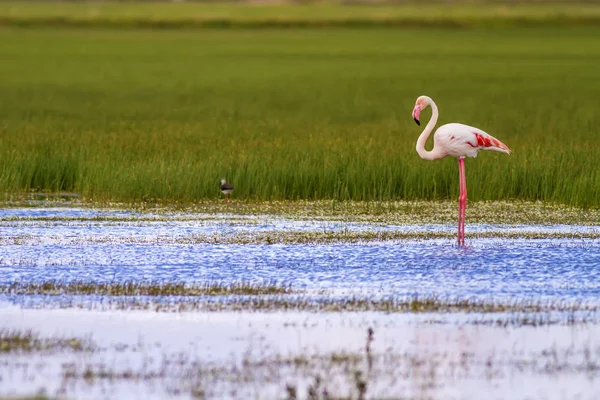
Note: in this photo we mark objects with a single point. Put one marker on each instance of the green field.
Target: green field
(311, 113)
(309, 13)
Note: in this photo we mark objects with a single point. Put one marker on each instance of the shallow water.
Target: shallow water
(108, 246)
(420, 356)
(245, 355)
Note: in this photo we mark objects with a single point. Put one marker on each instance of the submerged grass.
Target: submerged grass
(343, 372)
(350, 374)
(160, 116)
(256, 298)
(413, 305)
(300, 237)
(29, 342)
(397, 212)
(323, 222)
(328, 236)
(55, 288)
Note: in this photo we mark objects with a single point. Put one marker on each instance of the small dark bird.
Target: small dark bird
(226, 188)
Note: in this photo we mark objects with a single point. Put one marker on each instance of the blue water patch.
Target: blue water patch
(493, 268)
(133, 250)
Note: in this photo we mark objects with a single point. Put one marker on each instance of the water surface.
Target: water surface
(152, 355)
(68, 244)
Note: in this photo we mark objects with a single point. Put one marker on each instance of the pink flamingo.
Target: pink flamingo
(454, 140)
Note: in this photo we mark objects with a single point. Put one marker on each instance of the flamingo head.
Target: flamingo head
(422, 103)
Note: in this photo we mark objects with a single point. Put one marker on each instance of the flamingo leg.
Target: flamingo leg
(459, 202)
(462, 202)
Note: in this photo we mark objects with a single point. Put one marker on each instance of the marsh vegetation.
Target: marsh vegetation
(152, 115)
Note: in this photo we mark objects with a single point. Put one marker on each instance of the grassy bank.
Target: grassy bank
(311, 14)
(133, 115)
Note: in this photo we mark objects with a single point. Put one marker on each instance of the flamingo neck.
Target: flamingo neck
(425, 154)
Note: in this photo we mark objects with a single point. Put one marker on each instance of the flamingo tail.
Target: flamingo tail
(491, 143)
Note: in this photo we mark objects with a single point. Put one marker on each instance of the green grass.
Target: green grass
(154, 115)
(307, 14)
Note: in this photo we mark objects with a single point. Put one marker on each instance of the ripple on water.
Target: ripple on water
(65, 245)
(490, 268)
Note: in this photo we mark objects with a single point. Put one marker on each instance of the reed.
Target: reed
(154, 115)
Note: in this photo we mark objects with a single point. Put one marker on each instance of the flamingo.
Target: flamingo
(454, 140)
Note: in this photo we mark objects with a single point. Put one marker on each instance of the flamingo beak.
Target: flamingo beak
(416, 113)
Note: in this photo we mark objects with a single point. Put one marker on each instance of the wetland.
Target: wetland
(344, 300)
(333, 272)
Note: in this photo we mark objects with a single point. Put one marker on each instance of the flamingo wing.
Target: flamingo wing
(461, 140)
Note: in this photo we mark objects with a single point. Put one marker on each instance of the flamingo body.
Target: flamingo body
(459, 140)
(454, 140)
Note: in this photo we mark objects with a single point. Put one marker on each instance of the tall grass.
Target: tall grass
(136, 115)
(311, 13)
